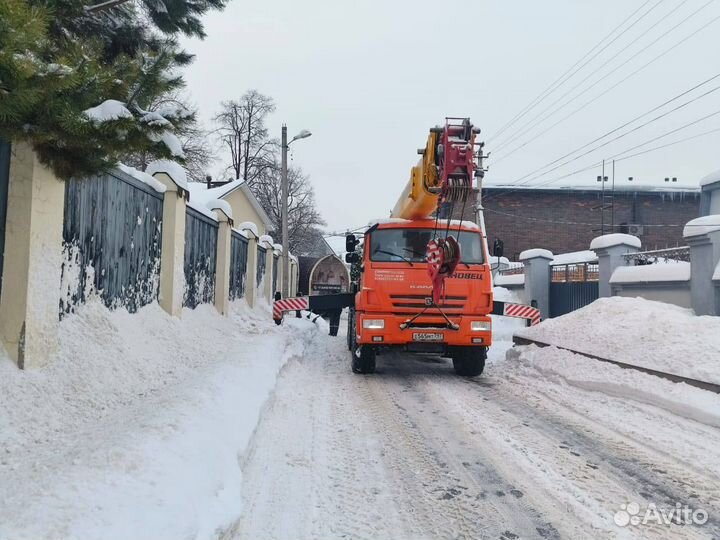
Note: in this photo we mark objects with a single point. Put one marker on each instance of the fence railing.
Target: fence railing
(681, 253)
(574, 273)
(513, 270)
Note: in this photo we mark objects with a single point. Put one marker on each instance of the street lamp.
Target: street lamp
(304, 134)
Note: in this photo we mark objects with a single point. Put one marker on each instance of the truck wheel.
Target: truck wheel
(351, 329)
(469, 361)
(363, 359)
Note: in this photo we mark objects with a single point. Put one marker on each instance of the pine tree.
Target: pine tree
(77, 84)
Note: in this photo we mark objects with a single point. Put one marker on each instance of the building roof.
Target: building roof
(623, 186)
(200, 193)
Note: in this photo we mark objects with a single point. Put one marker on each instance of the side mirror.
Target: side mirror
(351, 243)
(352, 257)
(498, 248)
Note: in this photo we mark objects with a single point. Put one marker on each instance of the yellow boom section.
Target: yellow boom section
(417, 200)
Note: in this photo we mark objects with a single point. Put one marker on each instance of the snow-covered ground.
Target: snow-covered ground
(133, 430)
(208, 427)
(641, 332)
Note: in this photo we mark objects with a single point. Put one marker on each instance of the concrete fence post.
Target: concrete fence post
(537, 278)
(251, 267)
(222, 262)
(30, 299)
(269, 263)
(172, 257)
(610, 249)
(703, 237)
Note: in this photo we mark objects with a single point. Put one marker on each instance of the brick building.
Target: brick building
(567, 219)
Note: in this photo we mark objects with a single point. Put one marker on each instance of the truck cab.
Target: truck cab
(394, 308)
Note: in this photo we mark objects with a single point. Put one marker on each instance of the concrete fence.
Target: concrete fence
(128, 240)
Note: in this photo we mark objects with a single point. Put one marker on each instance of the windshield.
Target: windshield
(397, 245)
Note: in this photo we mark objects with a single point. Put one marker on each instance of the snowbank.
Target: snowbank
(564, 367)
(135, 427)
(652, 273)
(641, 332)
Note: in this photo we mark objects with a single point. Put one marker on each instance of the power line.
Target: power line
(624, 125)
(531, 123)
(560, 222)
(616, 157)
(633, 130)
(552, 88)
(631, 74)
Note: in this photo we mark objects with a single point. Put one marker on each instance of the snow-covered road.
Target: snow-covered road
(417, 452)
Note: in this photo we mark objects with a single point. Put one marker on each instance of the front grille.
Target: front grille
(416, 302)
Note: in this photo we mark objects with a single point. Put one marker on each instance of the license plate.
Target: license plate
(427, 336)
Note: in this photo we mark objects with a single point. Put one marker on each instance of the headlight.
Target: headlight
(480, 326)
(373, 324)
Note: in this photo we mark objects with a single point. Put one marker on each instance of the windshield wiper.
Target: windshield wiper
(394, 255)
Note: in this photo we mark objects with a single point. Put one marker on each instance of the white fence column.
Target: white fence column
(610, 249)
(537, 278)
(172, 257)
(30, 300)
(703, 237)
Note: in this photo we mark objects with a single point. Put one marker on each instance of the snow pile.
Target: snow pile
(266, 238)
(559, 366)
(135, 427)
(171, 141)
(278, 247)
(640, 332)
(250, 226)
(144, 177)
(532, 253)
(615, 239)
(702, 225)
(107, 111)
(575, 257)
(652, 273)
(219, 204)
(173, 169)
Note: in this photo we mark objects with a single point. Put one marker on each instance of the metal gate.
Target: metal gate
(276, 260)
(572, 286)
(261, 255)
(4, 183)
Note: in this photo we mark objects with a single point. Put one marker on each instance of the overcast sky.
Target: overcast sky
(368, 78)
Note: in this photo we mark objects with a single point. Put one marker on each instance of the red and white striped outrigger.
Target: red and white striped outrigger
(297, 303)
(519, 311)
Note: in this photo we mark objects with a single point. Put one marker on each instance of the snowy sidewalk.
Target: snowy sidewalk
(135, 429)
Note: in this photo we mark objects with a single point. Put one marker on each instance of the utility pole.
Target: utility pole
(602, 201)
(304, 134)
(285, 235)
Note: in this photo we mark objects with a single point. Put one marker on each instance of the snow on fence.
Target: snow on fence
(200, 256)
(111, 241)
(238, 265)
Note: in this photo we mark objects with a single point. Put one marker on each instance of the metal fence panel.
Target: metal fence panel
(200, 250)
(572, 286)
(261, 253)
(238, 265)
(4, 184)
(275, 273)
(112, 238)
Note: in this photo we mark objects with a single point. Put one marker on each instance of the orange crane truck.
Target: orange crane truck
(425, 282)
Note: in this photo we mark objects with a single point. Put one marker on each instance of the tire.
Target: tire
(469, 361)
(363, 359)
